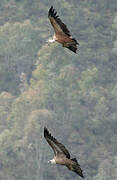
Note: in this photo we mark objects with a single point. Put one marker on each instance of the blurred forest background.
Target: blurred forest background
(42, 84)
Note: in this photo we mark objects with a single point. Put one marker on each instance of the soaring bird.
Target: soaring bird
(61, 154)
(62, 34)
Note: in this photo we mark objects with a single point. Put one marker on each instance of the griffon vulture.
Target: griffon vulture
(62, 34)
(61, 154)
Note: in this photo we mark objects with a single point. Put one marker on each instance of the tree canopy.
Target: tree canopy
(42, 84)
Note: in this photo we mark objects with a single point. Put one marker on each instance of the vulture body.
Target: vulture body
(62, 34)
(62, 155)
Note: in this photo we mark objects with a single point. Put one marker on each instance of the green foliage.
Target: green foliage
(18, 48)
(42, 84)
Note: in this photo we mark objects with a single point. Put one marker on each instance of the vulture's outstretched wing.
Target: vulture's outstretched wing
(72, 45)
(76, 167)
(56, 146)
(58, 25)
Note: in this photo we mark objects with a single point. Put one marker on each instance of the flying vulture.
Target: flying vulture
(62, 34)
(61, 154)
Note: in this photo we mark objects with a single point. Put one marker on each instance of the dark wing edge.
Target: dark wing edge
(50, 142)
(76, 168)
(72, 45)
(72, 48)
(50, 139)
(54, 15)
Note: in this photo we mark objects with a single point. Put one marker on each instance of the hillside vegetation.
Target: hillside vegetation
(42, 84)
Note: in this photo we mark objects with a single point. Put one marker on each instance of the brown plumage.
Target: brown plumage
(62, 34)
(61, 154)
